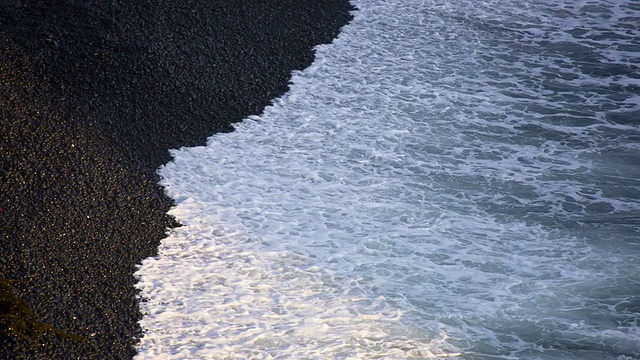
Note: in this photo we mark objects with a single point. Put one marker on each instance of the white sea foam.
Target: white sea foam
(449, 178)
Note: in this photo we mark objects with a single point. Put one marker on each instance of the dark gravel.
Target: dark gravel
(92, 94)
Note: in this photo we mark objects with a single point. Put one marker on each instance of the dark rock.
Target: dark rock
(92, 95)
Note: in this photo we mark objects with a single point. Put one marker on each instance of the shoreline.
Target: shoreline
(93, 95)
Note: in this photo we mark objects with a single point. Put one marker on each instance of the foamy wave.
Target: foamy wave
(448, 177)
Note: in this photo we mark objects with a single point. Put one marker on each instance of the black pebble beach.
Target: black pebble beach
(92, 95)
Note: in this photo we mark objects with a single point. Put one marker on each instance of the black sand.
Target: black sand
(92, 94)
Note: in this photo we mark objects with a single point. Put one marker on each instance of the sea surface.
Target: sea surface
(449, 179)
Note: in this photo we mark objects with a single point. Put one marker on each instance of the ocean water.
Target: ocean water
(449, 179)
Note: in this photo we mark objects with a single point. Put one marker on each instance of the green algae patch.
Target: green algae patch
(17, 319)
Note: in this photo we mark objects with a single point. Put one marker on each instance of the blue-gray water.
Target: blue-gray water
(448, 179)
